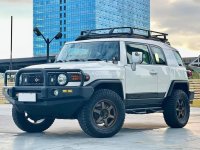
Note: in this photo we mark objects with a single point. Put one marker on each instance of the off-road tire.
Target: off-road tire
(21, 121)
(86, 116)
(171, 110)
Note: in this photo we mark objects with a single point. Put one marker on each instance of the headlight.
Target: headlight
(62, 79)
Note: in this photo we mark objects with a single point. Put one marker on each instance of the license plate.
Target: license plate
(27, 97)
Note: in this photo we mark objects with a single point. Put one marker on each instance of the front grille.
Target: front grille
(32, 79)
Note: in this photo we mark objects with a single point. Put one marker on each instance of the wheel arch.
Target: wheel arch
(181, 85)
(114, 85)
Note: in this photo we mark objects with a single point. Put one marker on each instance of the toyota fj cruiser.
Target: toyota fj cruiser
(98, 78)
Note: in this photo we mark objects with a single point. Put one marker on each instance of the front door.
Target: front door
(141, 84)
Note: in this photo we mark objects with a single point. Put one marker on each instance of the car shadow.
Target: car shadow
(55, 138)
(128, 127)
(140, 127)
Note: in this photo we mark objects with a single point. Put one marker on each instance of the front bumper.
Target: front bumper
(66, 105)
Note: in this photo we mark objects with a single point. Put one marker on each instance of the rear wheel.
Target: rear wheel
(177, 109)
(27, 123)
(104, 115)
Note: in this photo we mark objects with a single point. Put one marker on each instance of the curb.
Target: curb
(196, 103)
(3, 102)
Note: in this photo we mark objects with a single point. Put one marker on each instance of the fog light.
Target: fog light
(55, 92)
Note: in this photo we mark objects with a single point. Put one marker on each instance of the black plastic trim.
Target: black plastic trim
(145, 95)
(143, 103)
(98, 82)
(45, 74)
(63, 106)
(178, 82)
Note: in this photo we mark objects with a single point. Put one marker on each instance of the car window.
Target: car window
(133, 47)
(158, 55)
(90, 50)
(178, 58)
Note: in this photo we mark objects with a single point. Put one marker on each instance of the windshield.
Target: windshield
(90, 51)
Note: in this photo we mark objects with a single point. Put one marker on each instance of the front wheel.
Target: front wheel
(104, 115)
(26, 123)
(177, 109)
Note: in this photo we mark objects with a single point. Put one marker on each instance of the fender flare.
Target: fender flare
(181, 82)
(100, 82)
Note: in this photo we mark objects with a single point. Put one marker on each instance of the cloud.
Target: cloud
(179, 18)
(16, 8)
(21, 10)
(22, 38)
(16, 1)
(197, 1)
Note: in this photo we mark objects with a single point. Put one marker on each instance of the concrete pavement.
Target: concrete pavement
(139, 132)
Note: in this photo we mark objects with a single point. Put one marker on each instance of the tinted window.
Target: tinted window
(132, 47)
(90, 51)
(158, 55)
(178, 58)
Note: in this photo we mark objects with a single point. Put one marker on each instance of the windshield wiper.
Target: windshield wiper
(77, 60)
(59, 61)
(97, 59)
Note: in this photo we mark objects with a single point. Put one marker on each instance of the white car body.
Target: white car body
(146, 79)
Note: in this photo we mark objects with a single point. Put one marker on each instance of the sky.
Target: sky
(179, 18)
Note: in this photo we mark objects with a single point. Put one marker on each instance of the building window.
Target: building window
(60, 1)
(60, 8)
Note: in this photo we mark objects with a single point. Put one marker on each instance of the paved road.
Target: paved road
(146, 132)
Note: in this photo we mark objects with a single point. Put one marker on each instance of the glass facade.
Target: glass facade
(118, 13)
(72, 16)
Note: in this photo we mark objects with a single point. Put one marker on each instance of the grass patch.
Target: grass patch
(195, 75)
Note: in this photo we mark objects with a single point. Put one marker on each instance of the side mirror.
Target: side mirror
(56, 57)
(137, 58)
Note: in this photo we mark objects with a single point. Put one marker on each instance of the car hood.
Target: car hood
(77, 65)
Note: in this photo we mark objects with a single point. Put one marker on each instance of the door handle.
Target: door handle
(153, 72)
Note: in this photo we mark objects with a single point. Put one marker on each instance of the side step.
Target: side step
(144, 110)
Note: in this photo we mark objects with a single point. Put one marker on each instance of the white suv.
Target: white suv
(100, 77)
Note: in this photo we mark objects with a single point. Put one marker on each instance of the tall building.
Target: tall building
(72, 16)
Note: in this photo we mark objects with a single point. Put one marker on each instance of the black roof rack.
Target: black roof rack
(123, 32)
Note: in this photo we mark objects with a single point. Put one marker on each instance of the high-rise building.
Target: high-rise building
(72, 16)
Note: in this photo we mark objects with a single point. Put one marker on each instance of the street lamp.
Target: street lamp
(47, 40)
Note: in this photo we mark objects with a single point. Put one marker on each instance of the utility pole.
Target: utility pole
(11, 42)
